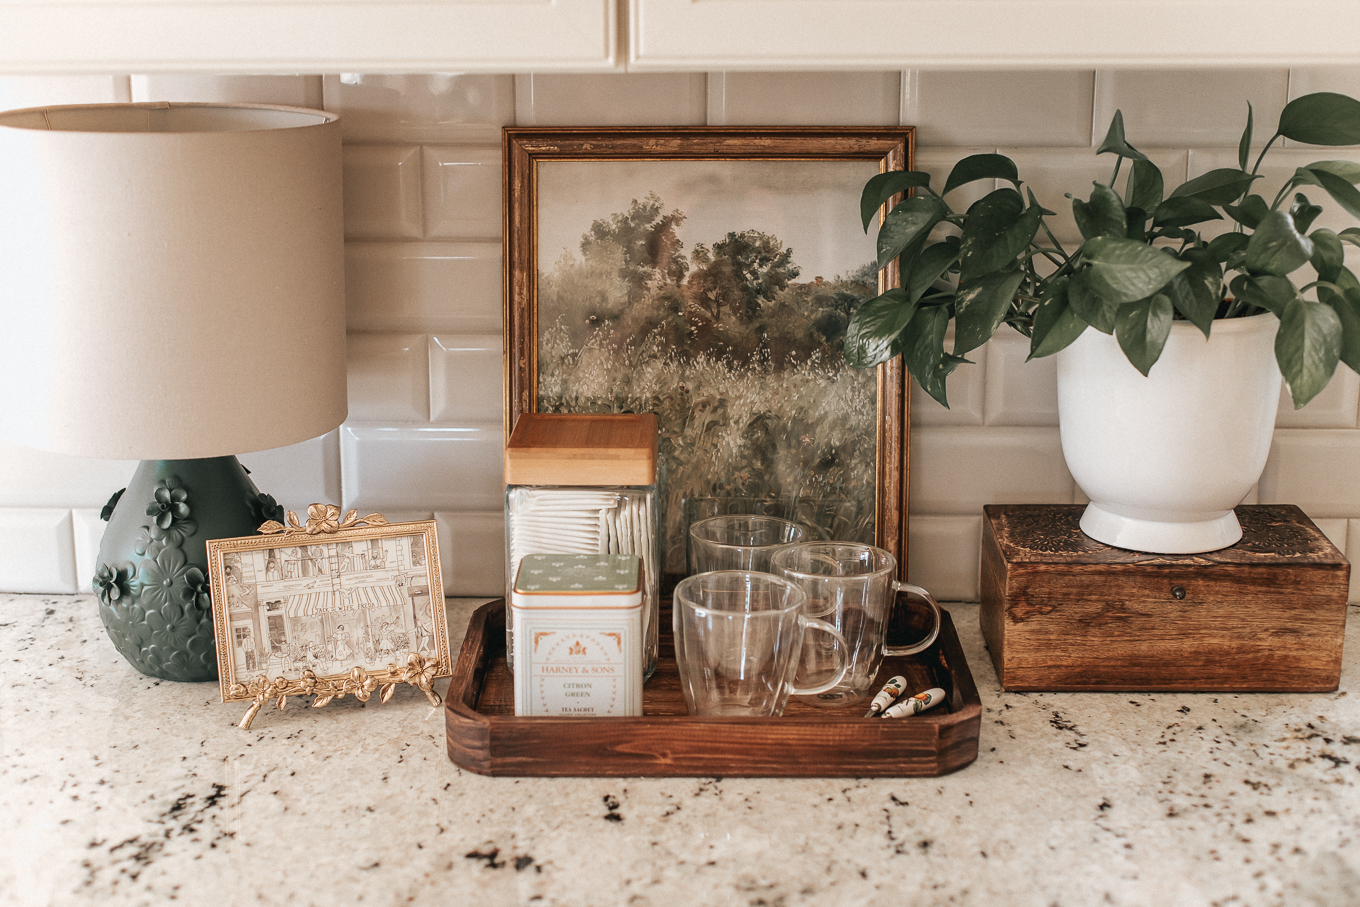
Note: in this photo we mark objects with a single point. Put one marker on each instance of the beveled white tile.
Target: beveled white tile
(88, 530)
(610, 99)
(383, 192)
(1188, 107)
(388, 377)
(1308, 79)
(466, 381)
(291, 91)
(1335, 407)
(427, 107)
(1055, 174)
(39, 551)
(1314, 468)
(964, 390)
(1352, 551)
(300, 474)
(423, 286)
(462, 192)
(36, 478)
(472, 553)
(443, 467)
(1019, 392)
(1279, 165)
(944, 555)
(46, 91)
(1003, 107)
(797, 98)
(958, 470)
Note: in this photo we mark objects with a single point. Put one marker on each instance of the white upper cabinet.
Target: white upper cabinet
(307, 35)
(404, 36)
(973, 34)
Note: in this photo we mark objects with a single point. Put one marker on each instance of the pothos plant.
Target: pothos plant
(1143, 262)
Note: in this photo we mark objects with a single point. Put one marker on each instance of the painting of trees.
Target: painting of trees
(738, 352)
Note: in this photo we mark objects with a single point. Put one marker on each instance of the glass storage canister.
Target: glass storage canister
(584, 484)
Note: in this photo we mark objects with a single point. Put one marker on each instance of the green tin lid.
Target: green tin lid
(579, 574)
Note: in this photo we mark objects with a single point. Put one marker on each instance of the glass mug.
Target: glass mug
(738, 637)
(739, 542)
(851, 587)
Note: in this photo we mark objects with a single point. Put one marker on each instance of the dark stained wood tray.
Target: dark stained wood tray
(484, 736)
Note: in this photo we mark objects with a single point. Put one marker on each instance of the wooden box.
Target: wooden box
(1061, 611)
(485, 736)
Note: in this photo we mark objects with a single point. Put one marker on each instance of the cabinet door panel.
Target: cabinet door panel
(307, 36)
(972, 34)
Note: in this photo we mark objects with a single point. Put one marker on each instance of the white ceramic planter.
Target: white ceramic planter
(1165, 458)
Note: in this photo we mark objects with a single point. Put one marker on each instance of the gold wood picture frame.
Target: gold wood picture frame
(333, 607)
(707, 274)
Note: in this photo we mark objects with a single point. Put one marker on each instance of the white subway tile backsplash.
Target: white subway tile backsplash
(1314, 468)
(958, 470)
(1019, 392)
(1308, 79)
(1352, 552)
(1175, 107)
(389, 377)
(944, 555)
(36, 478)
(383, 192)
(1335, 407)
(462, 191)
(610, 99)
(291, 91)
(443, 467)
(423, 286)
(39, 551)
(300, 474)
(46, 91)
(472, 553)
(429, 107)
(466, 384)
(993, 107)
(88, 530)
(802, 98)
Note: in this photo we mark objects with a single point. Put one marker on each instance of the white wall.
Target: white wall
(422, 212)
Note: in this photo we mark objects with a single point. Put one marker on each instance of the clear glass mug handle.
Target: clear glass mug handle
(929, 639)
(810, 623)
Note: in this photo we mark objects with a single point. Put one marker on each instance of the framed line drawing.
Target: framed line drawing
(707, 274)
(333, 607)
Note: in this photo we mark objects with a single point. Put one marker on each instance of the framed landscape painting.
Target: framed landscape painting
(708, 275)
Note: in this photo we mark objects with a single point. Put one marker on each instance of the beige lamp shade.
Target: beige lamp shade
(172, 279)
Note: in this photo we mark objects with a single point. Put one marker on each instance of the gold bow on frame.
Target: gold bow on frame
(419, 672)
(322, 519)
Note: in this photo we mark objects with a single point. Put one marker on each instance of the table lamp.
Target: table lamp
(172, 283)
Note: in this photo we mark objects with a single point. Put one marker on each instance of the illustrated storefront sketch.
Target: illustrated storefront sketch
(327, 607)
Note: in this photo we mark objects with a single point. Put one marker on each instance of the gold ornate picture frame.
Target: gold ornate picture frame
(333, 607)
(707, 274)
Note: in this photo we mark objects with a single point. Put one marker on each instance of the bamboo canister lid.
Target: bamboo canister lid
(589, 449)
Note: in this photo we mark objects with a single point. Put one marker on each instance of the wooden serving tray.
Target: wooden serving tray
(484, 735)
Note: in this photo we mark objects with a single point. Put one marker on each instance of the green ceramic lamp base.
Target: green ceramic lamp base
(152, 573)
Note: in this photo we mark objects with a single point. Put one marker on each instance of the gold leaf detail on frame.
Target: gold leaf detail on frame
(419, 672)
(322, 519)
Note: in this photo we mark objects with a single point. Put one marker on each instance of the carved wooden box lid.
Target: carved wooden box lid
(1050, 534)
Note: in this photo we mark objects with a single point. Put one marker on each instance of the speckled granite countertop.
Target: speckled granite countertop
(118, 789)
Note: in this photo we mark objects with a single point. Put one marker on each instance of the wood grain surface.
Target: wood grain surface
(1061, 611)
(484, 735)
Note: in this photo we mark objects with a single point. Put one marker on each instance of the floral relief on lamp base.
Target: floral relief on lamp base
(152, 570)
